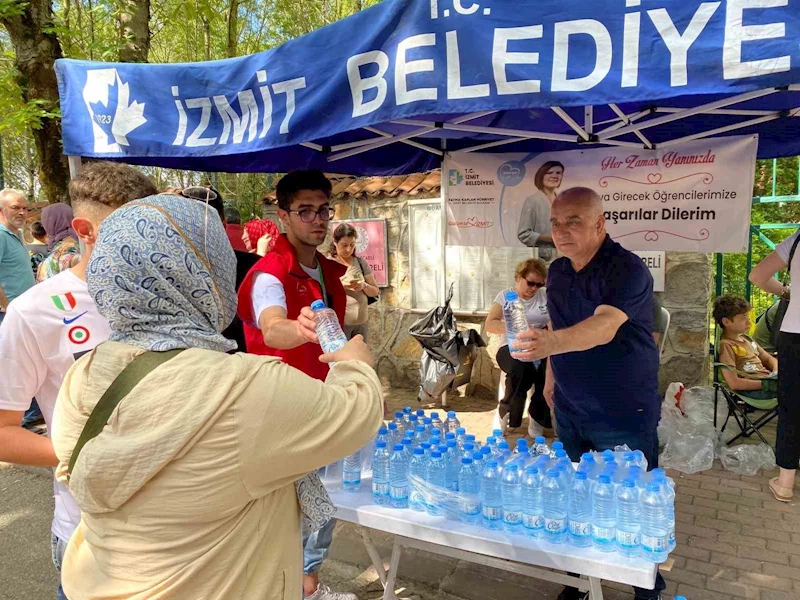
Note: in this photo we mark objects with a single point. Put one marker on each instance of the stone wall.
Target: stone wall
(687, 294)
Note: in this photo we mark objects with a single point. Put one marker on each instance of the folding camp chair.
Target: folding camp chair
(740, 405)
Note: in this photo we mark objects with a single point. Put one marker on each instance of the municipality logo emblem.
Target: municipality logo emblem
(454, 177)
(113, 112)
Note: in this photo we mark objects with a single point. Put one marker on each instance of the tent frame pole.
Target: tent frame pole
(74, 163)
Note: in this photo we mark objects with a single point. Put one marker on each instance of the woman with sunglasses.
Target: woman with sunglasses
(530, 280)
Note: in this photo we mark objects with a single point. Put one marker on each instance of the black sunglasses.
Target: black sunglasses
(534, 284)
(309, 216)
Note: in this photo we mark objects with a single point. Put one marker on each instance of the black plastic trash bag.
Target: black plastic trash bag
(449, 354)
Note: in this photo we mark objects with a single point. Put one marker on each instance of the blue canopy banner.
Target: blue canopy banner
(384, 91)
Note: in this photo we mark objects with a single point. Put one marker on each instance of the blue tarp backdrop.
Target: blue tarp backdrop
(376, 93)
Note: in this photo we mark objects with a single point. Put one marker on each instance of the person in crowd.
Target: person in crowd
(602, 377)
(358, 281)
(62, 242)
(534, 221)
(244, 260)
(659, 321)
(234, 229)
(529, 283)
(260, 236)
(787, 445)
(753, 369)
(190, 490)
(274, 304)
(51, 324)
(38, 249)
(762, 334)
(16, 276)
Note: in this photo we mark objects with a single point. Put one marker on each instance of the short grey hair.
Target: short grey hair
(585, 195)
(7, 193)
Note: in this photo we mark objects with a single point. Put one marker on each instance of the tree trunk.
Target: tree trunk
(134, 21)
(207, 38)
(36, 48)
(233, 28)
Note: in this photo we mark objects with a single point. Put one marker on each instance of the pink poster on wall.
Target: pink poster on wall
(371, 245)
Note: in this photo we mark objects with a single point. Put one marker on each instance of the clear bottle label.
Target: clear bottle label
(398, 493)
(580, 529)
(655, 543)
(351, 477)
(627, 539)
(380, 489)
(470, 507)
(532, 521)
(512, 517)
(603, 534)
(492, 513)
(555, 525)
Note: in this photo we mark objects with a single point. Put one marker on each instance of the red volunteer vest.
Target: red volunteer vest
(301, 290)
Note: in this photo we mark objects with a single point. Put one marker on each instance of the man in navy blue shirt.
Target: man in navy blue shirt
(602, 379)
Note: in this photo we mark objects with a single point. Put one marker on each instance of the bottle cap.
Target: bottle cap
(407, 409)
(511, 296)
(477, 456)
(540, 439)
(469, 446)
(503, 445)
(420, 412)
(491, 440)
(629, 456)
(421, 428)
(380, 444)
(466, 461)
(486, 450)
(558, 445)
(604, 478)
(436, 454)
(451, 443)
(450, 436)
(653, 487)
(426, 445)
(427, 420)
(628, 483)
(552, 473)
(470, 437)
(399, 414)
(398, 447)
(317, 305)
(561, 453)
(512, 466)
(435, 440)
(491, 464)
(412, 418)
(658, 472)
(383, 430)
(392, 426)
(461, 431)
(533, 469)
(419, 451)
(451, 414)
(434, 415)
(607, 453)
(436, 432)
(409, 434)
(522, 443)
(497, 433)
(580, 475)
(587, 456)
(442, 449)
(406, 441)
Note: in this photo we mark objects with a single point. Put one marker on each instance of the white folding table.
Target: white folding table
(473, 543)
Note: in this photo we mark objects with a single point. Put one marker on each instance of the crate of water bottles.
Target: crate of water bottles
(610, 501)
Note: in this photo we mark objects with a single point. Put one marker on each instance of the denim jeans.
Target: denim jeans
(58, 547)
(33, 414)
(316, 547)
(579, 437)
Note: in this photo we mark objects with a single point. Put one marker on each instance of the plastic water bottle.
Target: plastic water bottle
(453, 465)
(532, 515)
(628, 519)
(563, 459)
(511, 492)
(351, 472)
(503, 452)
(452, 423)
(469, 487)
(426, 446)
(514, 317)
(383, 434)
(398, 477)
(540, 447)
(635, 474)
(406, 414)
(407, 443)
(421, 434)
(588, 465)
(330, 334)
(522, 446)
(604, 515)
(669, 495)
(437, 422)
(580, 511)
(437, 475)
(471, 438)
(461, 437)
(491, 495)
(380, 474)
(556, 446)
(491, 442)
(420, 414)
(399, 420)
(487, 452)
(654, 524)
(554, 495)
(418, 468)
(436, 432)
(396, 433)
(468, 450)
(435, 441)
(498, 435)
(428, 422)
(450, 436)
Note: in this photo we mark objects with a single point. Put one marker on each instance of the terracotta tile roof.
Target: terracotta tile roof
(345, 186)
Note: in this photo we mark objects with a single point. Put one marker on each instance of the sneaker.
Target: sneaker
(325, 593)
(534, 428)
(571, 593)
(499, 422)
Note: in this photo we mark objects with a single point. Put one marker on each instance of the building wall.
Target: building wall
(687, 294)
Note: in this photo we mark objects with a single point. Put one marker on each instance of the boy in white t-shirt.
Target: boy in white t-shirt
(52, 324)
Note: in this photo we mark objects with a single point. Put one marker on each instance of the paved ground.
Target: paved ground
(734, 541)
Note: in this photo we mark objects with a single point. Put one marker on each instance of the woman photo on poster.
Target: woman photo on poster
(534, 221)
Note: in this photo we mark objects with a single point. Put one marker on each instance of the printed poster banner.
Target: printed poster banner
(370, 245)
(690, 198)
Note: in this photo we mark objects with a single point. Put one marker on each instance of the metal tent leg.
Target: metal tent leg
(595, 589)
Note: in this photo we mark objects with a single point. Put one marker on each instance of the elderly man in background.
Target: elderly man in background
(16, 276)
(602, 378)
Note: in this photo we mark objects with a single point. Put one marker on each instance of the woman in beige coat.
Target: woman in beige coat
(189, 489)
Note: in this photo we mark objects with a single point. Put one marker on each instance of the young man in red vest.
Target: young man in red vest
(274, 304)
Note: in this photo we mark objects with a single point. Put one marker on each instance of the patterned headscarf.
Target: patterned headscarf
(257, 228)
(163, 274)
(57, 223)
